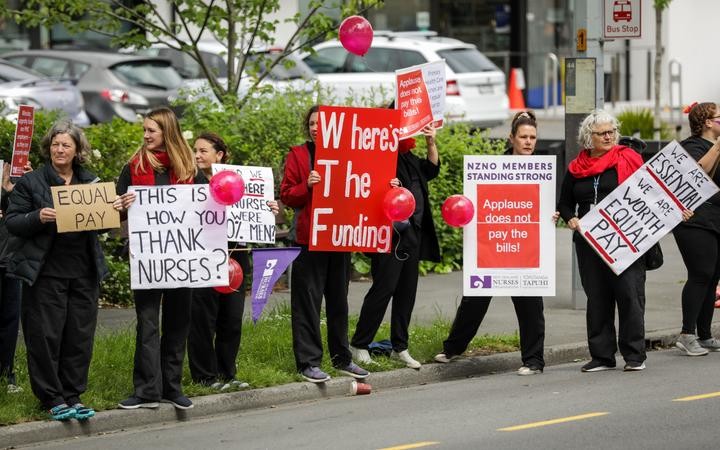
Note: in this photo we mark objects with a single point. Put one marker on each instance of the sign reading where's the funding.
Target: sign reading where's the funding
(646, 206)
(509, 247)
(178, 238)
(356, 157)
(251, 219)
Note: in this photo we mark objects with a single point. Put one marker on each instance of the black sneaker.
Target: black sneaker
(137, 402)
(596, 366)
(634, 366)
(180, 402)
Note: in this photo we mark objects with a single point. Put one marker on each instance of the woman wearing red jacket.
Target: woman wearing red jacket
(315, 273)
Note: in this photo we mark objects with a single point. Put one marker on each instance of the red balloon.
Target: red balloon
(235, 275)
(457, 210)
(398, 204)
(227, 187)
(356, 35)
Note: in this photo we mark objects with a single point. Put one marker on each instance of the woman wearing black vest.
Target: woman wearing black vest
(529, 310)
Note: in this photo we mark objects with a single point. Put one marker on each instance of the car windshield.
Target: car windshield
(11, 72)
(149, 74)
(185, 65)
(464, 60)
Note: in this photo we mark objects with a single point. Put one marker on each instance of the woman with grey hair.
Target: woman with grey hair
(61, 275)
(600, 167)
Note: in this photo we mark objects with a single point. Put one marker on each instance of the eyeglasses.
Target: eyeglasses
(608, 133)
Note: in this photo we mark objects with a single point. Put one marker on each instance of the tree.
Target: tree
(240, 25)
(660, 6)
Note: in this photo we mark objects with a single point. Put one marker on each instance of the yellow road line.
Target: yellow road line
(553, 421)
(697, 397)
(409, 446)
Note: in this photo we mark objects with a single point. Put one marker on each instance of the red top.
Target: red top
(294, 191)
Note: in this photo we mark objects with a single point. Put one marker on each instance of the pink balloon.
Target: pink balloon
(356, 35)
(235, 276)
(398, 204)
(227, 187)
(457, 210)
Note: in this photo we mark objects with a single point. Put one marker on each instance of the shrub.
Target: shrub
(642, 120)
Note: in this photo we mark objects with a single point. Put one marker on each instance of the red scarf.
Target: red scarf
(406, 145)
(146, 176)
(624, 159)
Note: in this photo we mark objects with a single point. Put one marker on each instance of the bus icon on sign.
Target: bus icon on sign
(622, 11)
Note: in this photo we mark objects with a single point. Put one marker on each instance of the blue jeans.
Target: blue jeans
(10, 294)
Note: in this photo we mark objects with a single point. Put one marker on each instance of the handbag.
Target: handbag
(654, 257)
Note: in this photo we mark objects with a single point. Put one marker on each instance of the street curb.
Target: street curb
(209, 405)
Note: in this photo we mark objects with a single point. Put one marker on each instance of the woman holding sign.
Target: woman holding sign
(315, 274)
(529, 310)
(600, 167)
(395, 274)
(216, 326)
(164, 158)
(61, 273)
(698, 239)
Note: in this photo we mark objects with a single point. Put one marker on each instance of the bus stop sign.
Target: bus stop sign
(622, 19)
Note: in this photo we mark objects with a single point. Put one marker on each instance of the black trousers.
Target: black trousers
(604, 291)
(314, 275)
(531, 321)
(58, 318)
(159, 357)
(215, 330)
(395, 275)
(700, 250)
(10, 292)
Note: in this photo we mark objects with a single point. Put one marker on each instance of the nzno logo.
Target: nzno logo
(484, 282)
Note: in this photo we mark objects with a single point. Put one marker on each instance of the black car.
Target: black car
(112, 84)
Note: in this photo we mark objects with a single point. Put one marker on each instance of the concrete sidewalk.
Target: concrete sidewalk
(438, 296)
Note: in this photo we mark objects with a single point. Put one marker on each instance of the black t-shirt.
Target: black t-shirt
(580, 193)
(707, 215)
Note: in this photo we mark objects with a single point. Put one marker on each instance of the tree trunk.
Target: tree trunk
(659, 51)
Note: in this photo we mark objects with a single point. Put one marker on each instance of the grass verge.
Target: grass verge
(265, 359)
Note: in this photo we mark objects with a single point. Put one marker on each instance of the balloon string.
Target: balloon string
(398, 245)
(367, 65)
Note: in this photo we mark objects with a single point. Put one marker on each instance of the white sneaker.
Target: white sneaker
(405, 357)
(689, 344)
(527, 370)
(361, 355)
(444, 358)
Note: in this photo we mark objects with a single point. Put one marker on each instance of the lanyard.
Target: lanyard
(596, 183)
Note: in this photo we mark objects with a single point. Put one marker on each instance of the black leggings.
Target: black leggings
(700, 250)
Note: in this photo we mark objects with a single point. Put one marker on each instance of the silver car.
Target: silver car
(22, 86)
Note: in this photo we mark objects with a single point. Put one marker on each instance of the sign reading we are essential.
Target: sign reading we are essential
(23, 140)
(420, 96)
(356, 157)
(509, 249)
(646, 206)
(251, 219)
(84, 207)
(178, 238)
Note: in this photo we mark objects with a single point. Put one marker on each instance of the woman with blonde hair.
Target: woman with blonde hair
(164, 158)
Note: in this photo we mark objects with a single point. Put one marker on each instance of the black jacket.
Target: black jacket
(425, 171)
(32, 239)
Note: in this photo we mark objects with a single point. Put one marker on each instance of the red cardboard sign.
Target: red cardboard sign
(23, 140)
(356, 156)
(413, 102)
(508, 222)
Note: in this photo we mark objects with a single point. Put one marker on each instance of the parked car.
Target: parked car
(475, 91)
(112, 84)
(293, 76)
(22, 86)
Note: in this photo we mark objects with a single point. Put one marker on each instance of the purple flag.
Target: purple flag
(268, 265)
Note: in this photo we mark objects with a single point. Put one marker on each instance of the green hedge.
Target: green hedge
(259, 135)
